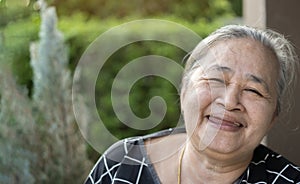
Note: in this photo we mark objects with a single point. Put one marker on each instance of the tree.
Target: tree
(39, 134)
(190, 10)
(17, 132)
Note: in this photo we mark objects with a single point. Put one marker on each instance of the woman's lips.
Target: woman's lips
(227, 124)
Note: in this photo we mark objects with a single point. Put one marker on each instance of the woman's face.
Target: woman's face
(230, 101)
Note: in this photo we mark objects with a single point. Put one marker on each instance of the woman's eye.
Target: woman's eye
(254, 91)
(216, 80)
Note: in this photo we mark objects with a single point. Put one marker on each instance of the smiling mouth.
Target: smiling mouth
(225, 123)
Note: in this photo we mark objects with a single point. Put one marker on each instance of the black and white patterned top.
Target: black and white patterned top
(126, 162)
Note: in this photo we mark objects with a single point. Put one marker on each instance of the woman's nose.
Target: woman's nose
(231, 98)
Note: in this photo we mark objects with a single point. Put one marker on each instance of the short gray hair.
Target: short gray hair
(276, 42)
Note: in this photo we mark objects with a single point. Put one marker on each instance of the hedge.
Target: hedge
(80, 31)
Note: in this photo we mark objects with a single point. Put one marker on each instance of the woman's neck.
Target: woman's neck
(210, 167)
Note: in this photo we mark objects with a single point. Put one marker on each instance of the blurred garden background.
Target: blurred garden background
(39, 139)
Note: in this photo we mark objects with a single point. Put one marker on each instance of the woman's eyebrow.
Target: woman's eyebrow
(258, 80)
(220, 68)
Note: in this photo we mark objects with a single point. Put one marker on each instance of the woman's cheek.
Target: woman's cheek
(262, 116)
(194, 103)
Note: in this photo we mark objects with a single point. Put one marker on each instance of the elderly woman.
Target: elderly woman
(232, 94)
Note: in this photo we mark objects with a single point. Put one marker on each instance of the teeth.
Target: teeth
(237, 124)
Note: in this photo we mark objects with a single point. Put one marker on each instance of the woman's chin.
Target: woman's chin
(218, 144)
(224, 148)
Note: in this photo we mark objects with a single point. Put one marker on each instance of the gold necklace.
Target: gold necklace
(179, 165)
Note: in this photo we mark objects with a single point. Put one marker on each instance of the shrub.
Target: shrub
(81, 31)
(40, 142)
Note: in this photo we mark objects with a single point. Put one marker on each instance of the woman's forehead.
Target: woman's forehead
(236, 50)
(244, 55)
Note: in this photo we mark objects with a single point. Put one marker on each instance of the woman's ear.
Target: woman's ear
(274, 118)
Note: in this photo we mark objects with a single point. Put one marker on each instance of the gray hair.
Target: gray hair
(276, 42)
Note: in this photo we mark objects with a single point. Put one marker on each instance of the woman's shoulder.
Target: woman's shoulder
(163, 133)
(271, 159)
(269, 166)
(125, 158)
(134, 145)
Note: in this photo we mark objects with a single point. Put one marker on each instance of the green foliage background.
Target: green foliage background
(82, 21)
